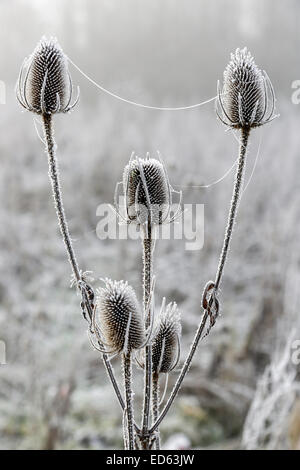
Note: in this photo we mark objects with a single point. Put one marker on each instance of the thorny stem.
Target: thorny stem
(128, 400)
(54, 177)
(63, 224)
(155, 405)
(147, 282)
(234, 204)
(183, 372)
(147, 272)
(228, 234)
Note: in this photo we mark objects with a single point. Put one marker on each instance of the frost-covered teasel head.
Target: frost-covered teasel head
(44, 85)
(247, 98)
(147, 192)
(119, 318)
(166, 341)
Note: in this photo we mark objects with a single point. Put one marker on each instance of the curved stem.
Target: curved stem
(147, 282)
(228, 234)
(155, 405)
(182, 374)
(112, 378)
(234, 204)
(63, 224)
(54, 178)
(128, 400)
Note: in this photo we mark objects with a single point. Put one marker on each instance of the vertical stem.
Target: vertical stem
(155, 404)
(147, 272)
(234, 204)
(228, 233)
(147, 281)
(128, 399)
(54, 178)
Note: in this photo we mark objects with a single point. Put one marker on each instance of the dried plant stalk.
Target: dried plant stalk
(155, 405)
(57, 196)
(234, 204)
(148, 246)
(127, 370)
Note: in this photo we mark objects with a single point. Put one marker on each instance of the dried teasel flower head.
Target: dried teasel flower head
(166, 340)
(147, 192)
(44, 85)
(247, 99)
(119, 319)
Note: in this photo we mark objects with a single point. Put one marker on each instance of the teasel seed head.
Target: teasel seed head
(147, 191)
(247, 99)
(166, 340)
(119, 317)
(44, 85)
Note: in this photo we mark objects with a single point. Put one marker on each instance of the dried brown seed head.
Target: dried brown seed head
(247, 98)
(165, 344)
(45, 85)
(119, 317)
(147, 191)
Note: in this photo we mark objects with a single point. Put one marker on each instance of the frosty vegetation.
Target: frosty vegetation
(242, 389)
